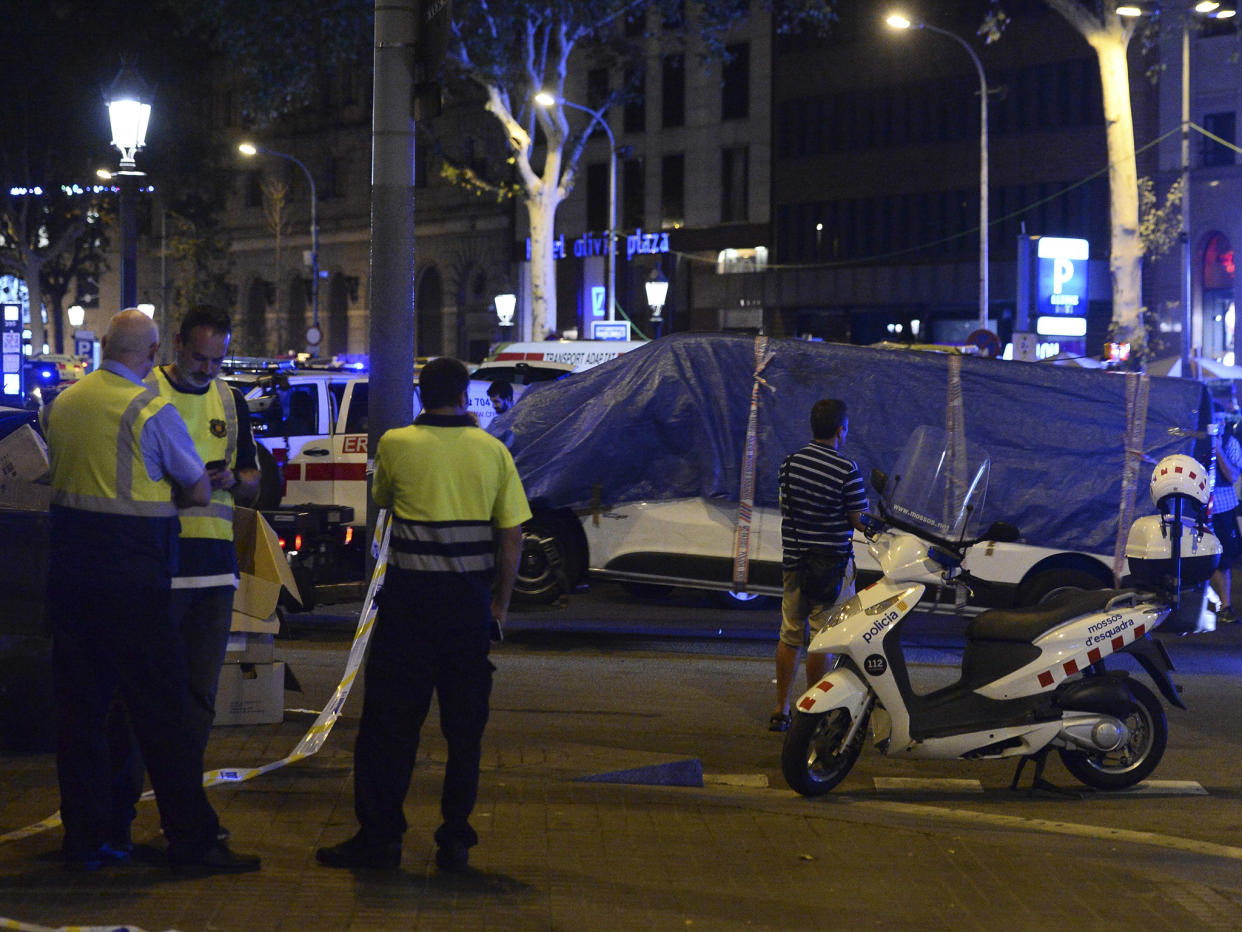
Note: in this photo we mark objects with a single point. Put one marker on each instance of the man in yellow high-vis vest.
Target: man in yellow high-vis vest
(219, 425)
(121, 463)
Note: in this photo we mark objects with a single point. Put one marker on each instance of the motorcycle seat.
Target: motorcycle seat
(1026, 624)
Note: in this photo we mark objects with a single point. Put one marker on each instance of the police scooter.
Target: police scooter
(1031, 679)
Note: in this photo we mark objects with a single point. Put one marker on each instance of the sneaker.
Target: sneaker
(103, 856)
(1226, 616)
(361, 852)
(217, 859)
(453, 857)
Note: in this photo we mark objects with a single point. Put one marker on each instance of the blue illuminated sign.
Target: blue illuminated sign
(1061, 277)
(599, 295)
(610, 330)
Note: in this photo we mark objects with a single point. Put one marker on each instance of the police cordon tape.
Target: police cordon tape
(318, 733)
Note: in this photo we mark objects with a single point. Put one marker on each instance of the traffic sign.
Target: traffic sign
(610, 330)
(987, 342)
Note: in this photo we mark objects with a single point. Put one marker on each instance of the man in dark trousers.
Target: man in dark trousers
(457, 506)
(206, 578)
(822, 501)
(121, 463)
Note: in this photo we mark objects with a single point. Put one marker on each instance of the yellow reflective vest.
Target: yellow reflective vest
(94, 432)
(212, 421)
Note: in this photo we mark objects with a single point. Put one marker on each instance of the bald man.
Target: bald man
(122, 462)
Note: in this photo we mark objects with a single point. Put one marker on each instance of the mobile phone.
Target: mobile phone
(215, 465)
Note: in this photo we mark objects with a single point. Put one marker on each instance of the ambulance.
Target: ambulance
(580, 355)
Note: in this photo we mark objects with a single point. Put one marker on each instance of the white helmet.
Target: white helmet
(1179, 475)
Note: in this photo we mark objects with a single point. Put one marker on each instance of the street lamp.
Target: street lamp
(506, 304)
(314, 334)
(546, 99)
(657, 293)
(129, 112)
(897, 21)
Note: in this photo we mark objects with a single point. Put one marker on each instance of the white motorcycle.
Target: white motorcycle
(1031, 679)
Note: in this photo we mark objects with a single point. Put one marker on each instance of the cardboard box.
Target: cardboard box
(23, 455)
(23, 463)
(249, 647)
(264, 571)
(250, 694)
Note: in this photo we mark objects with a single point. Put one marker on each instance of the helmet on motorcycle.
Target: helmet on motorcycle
(1179, 475)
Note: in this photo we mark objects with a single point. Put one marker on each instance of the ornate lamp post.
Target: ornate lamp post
(129, 112)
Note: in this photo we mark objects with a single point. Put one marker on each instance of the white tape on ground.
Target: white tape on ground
(319, 730)
(1098, 832)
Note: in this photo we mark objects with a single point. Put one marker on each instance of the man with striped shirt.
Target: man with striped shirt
(822, 502)
(458, 506)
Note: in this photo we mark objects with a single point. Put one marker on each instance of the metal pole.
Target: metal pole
(1187, 282)
(391, 298)
(127, 183)
(983, 167)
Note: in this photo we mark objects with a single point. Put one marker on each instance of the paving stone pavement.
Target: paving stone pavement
(557, 853)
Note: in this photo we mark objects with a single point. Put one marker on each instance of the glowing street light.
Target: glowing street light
(129, 113)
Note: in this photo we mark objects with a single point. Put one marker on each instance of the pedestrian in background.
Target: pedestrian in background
(206, 577)
(501, 394)
(457, 506)
(1226, 463)
(822, 501)
(121, 462)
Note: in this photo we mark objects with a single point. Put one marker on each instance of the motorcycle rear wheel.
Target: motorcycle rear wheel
(814, 758)
(1137, 758)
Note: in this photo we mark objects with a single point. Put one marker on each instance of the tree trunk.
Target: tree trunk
(542, 213)
(1125, 262)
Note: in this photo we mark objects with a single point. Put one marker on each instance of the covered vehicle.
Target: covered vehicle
(636, 468)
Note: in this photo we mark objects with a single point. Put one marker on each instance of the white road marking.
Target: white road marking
(758, 781)
(926, 785)
(1164, 788)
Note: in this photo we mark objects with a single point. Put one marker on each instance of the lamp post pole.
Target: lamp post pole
(129, 113)
(610, 255)
(1187, 278)
(900, 22)
(127, 182)
(250, 149)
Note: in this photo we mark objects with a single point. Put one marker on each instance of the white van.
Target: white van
(580, 354)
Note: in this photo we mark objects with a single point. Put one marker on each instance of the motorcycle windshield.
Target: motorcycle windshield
(938, 486)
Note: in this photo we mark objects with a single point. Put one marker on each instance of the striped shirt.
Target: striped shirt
(1224, 497)
(819, 488)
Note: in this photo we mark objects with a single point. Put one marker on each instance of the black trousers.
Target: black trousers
(432, 632)
(111, 639)
(202, 617)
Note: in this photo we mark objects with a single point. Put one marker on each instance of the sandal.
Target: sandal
(779, 721)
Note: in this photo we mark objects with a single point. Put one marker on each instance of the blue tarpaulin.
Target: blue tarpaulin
(668, 420)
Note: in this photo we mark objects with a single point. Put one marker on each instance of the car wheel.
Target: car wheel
(1042, 586)
(548, 567)
(744, 601)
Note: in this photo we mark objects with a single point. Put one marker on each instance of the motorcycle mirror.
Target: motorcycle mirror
(1002, 532)
(878, 480)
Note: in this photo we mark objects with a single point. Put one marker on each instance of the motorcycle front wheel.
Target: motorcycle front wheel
(815, 757)
(1134, 760)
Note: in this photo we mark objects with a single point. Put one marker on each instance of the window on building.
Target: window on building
(331, 182)
(734, 174)
(674, 15)
(1223, 126)
(254, 189)
(597, 196)
(673, 91)
(636, 22)
(635, 117)
(597, 88)
(635, 194)
(672, 191)
(735, 88)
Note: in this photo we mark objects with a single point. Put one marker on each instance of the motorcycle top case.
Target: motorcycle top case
(1149, 550)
